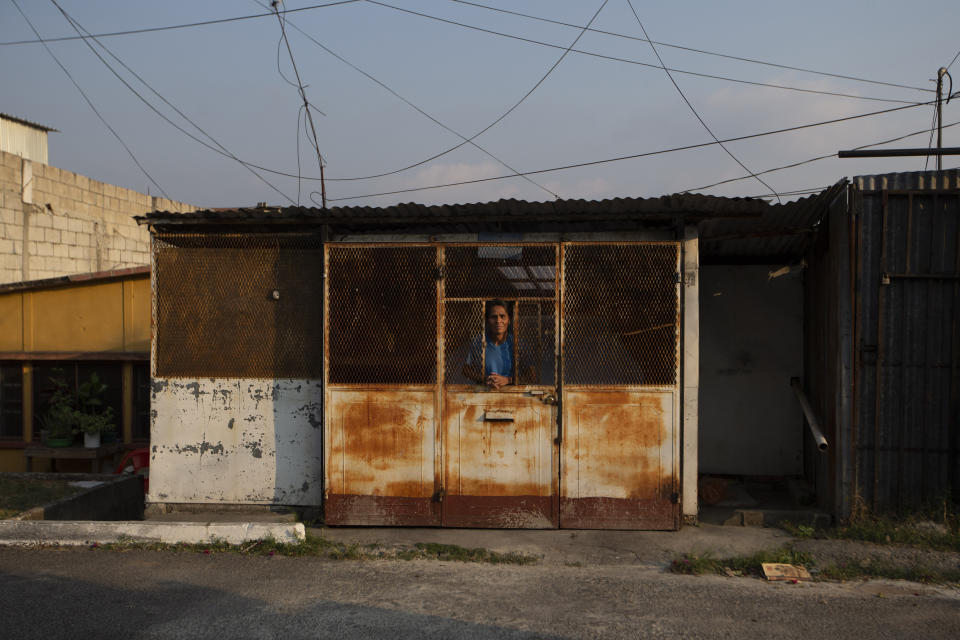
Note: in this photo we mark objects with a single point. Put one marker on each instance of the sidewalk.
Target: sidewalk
(566, 546)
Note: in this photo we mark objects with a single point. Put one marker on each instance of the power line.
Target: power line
(173, 26)
(90, 103)
(415, 107)
(954, 60)
(682, 95)
(641, 155)
(636, 62)
(495, 122)
(694, 50)
(222, 150)
(810, 160)
(306, 105)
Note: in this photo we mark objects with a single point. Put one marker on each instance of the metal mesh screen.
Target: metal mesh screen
(238, 305)
(382, 317)
(620, 314)
(500, 271)
(536, 342)
(463, 332)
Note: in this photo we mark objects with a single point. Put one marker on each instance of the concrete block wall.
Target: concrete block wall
(54, 222)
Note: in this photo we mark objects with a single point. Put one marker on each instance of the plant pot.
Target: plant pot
(91, 440)
(59, 442)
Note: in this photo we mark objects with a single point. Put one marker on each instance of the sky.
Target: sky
(393, 86)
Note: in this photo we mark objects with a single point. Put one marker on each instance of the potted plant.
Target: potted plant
(59, 422)
(92, 418)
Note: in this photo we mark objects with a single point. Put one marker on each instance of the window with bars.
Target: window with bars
(11, 401)
(621, 314)
(241, 305)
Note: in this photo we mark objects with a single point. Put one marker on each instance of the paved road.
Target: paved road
(82, 593)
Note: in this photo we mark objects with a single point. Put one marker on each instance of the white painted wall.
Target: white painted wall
(236, 441)
(751, 344)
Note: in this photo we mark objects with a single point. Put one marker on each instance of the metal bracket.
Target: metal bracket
(439, 495)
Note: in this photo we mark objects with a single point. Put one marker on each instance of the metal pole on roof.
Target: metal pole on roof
(940, 72)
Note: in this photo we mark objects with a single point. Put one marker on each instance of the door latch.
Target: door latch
(439, 495)
(549, 398)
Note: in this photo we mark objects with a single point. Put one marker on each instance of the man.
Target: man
(498, 350)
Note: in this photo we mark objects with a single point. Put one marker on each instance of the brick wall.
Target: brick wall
(54, 222)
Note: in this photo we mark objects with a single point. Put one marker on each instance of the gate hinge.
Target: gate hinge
(678, 278)
(675, 498)
(439, 495)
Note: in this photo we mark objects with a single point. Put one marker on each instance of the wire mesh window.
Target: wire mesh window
(11, 400)
(621, 314)
(382, 316)
(238, 305)
(500, 271)
(524, 278)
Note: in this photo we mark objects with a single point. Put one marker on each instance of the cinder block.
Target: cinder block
(44, 249)
(68, 237)
(6, 246)
(41, 220)
(74, 225)
(51, 235)
(61, 251)
(59, 223)
(77, 252)
(83, 182)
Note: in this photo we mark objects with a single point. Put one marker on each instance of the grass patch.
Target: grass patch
(698, 564)
(320, 547)
(936, 529)
(858, 570)
(17, 494)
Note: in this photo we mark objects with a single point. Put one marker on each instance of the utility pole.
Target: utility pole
(940, 73)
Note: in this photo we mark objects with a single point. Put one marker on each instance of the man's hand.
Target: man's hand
(495, 381)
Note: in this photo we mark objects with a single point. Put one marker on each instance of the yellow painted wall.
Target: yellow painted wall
(136, 301)
(85, 318)
(112, 316)
(11, 322)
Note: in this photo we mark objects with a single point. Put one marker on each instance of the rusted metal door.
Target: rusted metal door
(500, 462)
(620, 385)
(381, 438)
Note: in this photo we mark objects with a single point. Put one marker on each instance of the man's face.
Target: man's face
(497, 322)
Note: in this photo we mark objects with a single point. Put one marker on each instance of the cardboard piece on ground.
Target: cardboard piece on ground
(777, 571)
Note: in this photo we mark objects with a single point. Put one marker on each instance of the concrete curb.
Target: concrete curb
(80, 532)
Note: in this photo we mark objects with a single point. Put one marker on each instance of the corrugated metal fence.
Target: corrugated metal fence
(906, 339)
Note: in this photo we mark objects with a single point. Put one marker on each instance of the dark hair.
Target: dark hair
(496, 302)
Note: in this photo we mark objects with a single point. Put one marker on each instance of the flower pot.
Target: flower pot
(59, 442)
(91, 440)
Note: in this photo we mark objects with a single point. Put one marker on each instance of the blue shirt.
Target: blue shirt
(498, 358)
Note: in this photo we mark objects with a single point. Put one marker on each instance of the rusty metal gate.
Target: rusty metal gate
(413, 437)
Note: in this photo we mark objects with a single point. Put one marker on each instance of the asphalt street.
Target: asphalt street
(87, 593)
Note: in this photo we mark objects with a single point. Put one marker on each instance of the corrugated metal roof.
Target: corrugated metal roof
(910, 181)
(782, 233)
(75, 279)
(686, 206)
(7, 116)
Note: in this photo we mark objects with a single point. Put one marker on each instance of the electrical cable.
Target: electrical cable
(954, 60)
(174, 26)
(682, 95)
(642, 155)
(810, 160)
(412, 105)
(637, 62)
(495, 122)
(90, 103)
(306, 103)
(693, 50)
(222, 151)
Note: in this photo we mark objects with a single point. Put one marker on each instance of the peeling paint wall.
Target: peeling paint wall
(239, 441)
